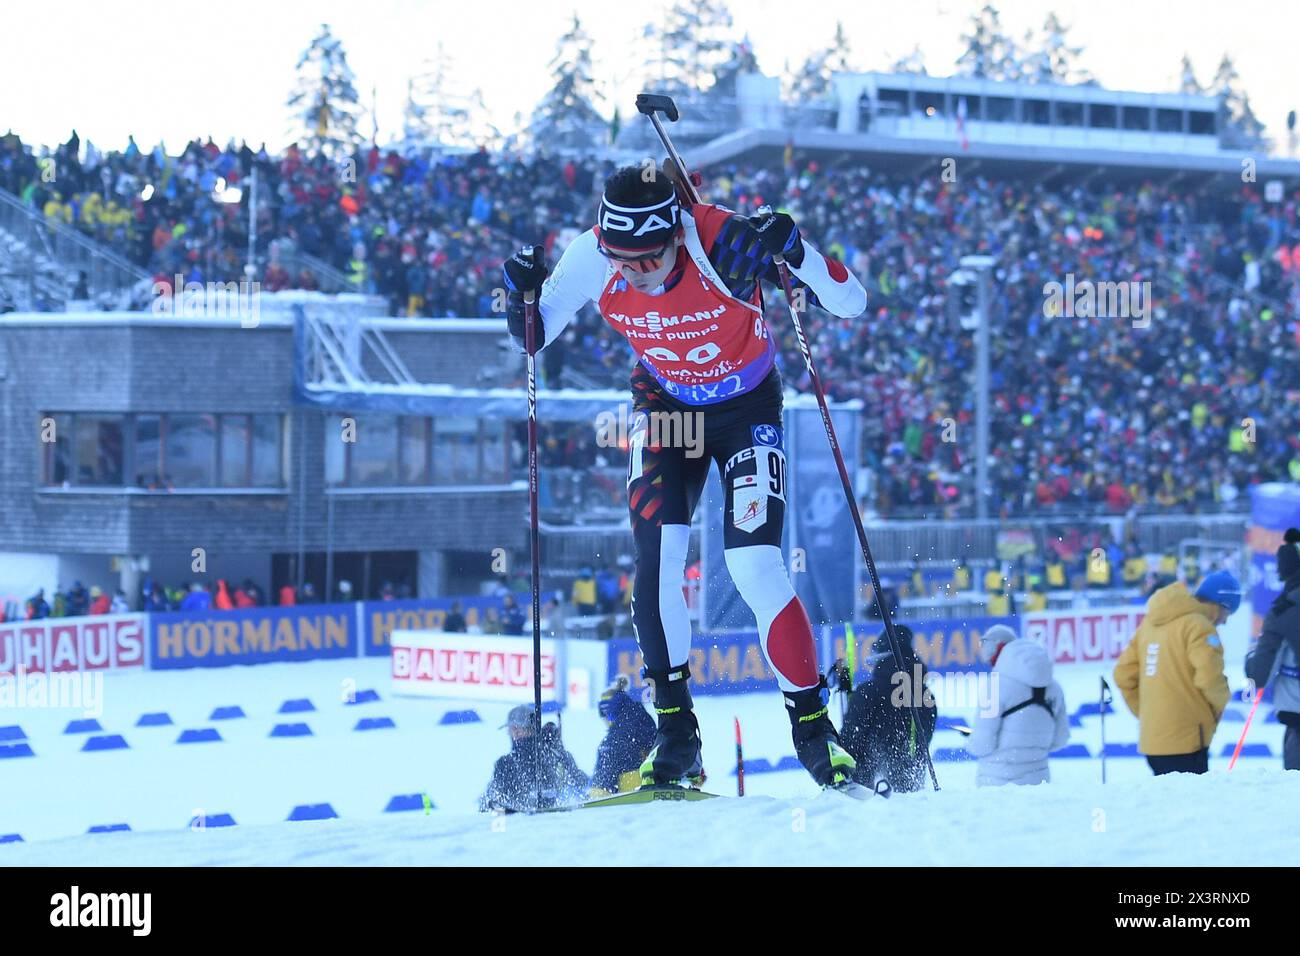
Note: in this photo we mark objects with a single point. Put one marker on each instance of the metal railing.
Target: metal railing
(55, 248)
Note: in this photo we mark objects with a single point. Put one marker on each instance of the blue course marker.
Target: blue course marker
(11, 838)
(313, 811)
(291, 730)
(363, 697)
(299, 706)
(201, 736)
(1092, 709)
(227, 713)
(1070, 750)
(105, 742)
(406, 801)
(90, 725)
(374, 723)
(460, 717)
(109, 828)
(1122, 750)
(212, 820)
(15, 750)
(12, 732)
(154, 720)
(1248, 750)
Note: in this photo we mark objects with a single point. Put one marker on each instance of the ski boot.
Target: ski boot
(675, 758)
(816, 741)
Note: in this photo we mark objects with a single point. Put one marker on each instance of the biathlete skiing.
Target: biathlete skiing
(681, 281)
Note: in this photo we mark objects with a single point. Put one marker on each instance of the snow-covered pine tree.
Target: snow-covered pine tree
(566, 117)
(1239, 126)
(434, 114)
(913, 62)
(323, 103)
(988, 52)
(1187, 81)
(813, 81)
(688, 47)
(1061, 60)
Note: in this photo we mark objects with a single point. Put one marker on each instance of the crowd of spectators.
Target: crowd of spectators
(1181, 410)
(155, 596)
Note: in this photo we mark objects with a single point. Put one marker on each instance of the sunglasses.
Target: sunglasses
(645, 263)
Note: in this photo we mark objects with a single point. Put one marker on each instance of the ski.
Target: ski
(640, 795)
(856, 791)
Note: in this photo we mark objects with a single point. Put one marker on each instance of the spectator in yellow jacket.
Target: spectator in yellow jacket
(1171, 673)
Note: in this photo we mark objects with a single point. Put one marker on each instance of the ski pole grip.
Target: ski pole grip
(766, 210)
(530, 296)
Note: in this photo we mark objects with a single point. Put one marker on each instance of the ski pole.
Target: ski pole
(895, 644)
(850, 655)
(1259, 692)
(534, 536)
(740, 762)
(1102, 708)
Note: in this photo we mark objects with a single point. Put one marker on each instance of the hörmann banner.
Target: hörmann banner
(380, 618)
(260, 635)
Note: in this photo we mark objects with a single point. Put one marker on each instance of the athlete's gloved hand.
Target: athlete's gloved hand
(779, 235)
(524, 272)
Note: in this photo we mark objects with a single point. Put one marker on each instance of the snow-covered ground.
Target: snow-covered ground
(158, 786)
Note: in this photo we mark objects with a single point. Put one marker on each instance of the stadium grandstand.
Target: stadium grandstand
(1138, 438)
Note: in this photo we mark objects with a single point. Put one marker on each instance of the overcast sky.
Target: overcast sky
(171, 70)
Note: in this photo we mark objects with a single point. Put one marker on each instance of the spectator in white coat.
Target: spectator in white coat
(1028, 718)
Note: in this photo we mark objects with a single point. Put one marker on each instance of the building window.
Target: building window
(57, 433)
(1200, 123)
(495, 456)
(86, 449)
(1137, 118)
(456, 450)
(389, 451)
(374, 453)
(1000, 109)
(1169, 121)
(1038, 112)
(236, 442)
(1069, 114)
(1103, 116)
(267, 470)
(100, 444)
(165, 451)
(149, 451)
(191, 448)
(415, 450)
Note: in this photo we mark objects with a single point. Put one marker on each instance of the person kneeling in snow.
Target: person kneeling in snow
(1027, 719)
(878, 728)
(629, 738)
(514, 784)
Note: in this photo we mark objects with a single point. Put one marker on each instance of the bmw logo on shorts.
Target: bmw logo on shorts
(767, 435)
